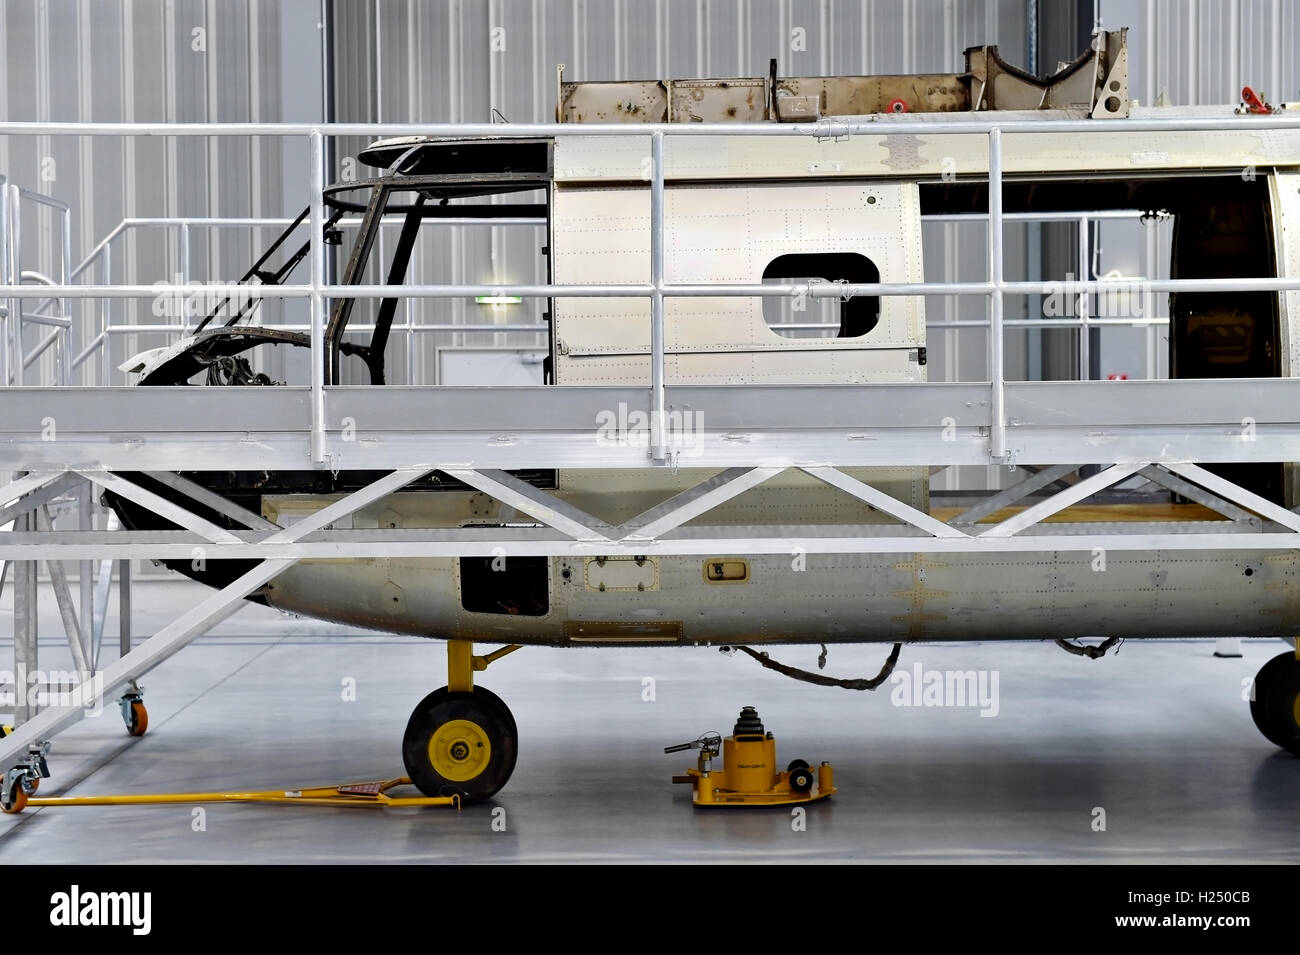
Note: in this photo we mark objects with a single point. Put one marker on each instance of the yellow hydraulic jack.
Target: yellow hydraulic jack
(749, 776)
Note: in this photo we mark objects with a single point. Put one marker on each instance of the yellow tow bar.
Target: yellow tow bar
(348, 794)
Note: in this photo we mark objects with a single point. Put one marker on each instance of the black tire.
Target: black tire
(797, 764)
(474, 758)
(437, 696)
(489, 695)
(1265, 680)
(1282, 707)
(801, 779)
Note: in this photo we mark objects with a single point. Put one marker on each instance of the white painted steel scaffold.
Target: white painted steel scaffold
(61, 439)
(1154, 427)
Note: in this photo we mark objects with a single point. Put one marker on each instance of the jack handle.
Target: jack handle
(710, 741)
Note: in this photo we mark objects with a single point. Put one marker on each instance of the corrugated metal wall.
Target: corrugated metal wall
(144, 61)
(414, 60)
(455, 60)
(451, 60)
(1203, 51)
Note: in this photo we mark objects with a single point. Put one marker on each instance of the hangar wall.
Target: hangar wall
(421, 62)
(440, 60)
(156, 61)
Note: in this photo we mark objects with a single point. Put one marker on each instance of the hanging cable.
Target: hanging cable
(1092, 653)
(809, 677)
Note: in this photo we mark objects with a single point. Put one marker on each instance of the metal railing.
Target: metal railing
(184, 228)
(994, 288)
(14, 358)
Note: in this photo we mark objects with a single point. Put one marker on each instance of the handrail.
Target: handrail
(14, 361)
(995, 288)
(878, 125)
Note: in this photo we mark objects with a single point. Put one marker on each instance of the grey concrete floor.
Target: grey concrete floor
(1157, 736)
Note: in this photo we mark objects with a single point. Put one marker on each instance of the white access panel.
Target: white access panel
(717, 232)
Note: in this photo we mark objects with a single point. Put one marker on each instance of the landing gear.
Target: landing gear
(1276, 703)
(461, 739)
(462, 743)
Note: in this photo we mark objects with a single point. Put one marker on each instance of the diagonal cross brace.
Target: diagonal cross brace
(1063, 499)
(883, 502)
(167, 641)
(194, 623)
(547, 508)
(341, 508)
(63, 597)
(42, 495)
(211, 499)
(693, 502)
(1012, 494)
(1237, 494)
(1158, 475)
(99, 604)
(160, 506)
(26, 484)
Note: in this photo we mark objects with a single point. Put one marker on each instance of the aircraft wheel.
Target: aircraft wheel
(1265, 680)
(464, 743)
(439, 695)
(1282, 706)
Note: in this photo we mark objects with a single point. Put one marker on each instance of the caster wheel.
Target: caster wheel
(1282, 707)
(801, 779)
(1265, 680)
(137, 722)
(17, 801)
(797, 764)
(464, 743)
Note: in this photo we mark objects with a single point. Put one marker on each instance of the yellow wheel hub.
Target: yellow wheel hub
(459, 750)
(1295, 709)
